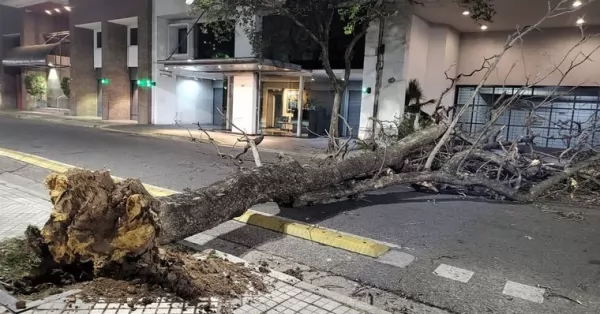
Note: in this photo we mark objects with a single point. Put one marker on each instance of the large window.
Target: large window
(133, 36)
(182, 40)
(98, 40)
(287, 42)
(215, 40)
(552, 115)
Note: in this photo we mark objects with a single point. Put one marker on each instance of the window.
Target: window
(182, 40)
(550, 120)
(133, 36)
(98, 40)
(215, 40)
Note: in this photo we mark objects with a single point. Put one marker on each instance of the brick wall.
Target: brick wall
(11, 20)
(84, 85)
(116, 97)
(145, 61)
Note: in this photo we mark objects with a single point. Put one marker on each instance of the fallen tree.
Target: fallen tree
(119, 227)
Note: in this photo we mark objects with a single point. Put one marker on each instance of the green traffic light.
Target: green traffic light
(104, 81)
(145, 83)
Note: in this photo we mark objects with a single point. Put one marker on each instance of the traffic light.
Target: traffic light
(145, 83)
(104, 81)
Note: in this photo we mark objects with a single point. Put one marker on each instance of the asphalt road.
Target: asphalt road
(498, 242)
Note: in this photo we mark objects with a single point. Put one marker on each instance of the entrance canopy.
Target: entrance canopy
(29, 56)
(235, 65)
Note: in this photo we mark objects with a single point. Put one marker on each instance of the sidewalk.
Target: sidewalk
(286, 294)
(290, 145)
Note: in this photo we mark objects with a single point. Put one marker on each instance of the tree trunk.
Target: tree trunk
(97, 220)
(378, 72)
(334, 124)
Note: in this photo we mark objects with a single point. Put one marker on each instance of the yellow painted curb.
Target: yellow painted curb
(56, 166)
(312, 233)
(316, 234)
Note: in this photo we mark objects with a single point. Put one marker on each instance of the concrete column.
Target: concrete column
(84, 85)
(145, 67)
(393, 87)
(116, 97)
(245, 93)
(11, 21)
(300, 103)
(442, 56)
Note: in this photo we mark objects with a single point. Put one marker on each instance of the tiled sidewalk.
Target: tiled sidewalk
(20, 208)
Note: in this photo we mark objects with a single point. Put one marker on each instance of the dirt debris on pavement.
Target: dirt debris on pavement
(101, 237)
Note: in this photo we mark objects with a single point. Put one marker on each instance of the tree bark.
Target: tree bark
(186, 214)
(335, 111)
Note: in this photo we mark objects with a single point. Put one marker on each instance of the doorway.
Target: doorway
(218, 110)
(134, 102)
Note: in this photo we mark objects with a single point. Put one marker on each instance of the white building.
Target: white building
(256, 96)
(421, 42)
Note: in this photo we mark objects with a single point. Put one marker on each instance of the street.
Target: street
(451, 253)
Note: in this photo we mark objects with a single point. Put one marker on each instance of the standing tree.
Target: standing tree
(35, 84)
(96, 220)
(65, 85)
(315, 17)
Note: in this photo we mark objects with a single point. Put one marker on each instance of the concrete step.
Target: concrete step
(53, 111)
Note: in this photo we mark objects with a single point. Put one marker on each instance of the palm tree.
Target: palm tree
(414, 103)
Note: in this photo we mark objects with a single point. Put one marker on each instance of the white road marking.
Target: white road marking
(453, 273)
(396, 258)
(525, 292)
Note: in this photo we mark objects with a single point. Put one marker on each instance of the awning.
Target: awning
(232, 65)
(29, 56)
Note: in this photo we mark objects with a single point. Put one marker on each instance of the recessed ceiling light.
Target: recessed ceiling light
(580, 21)
(57, 10)
(219, 66)
(483, 27)
(48, 12)
(577, 3)
(466, 13)
(68, 8)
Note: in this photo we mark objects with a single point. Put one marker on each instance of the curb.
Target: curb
(347, 301)
(109, 128)
(60, 167)
(325, 236)
(315, 233)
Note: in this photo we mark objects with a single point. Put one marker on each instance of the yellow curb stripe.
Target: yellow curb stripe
(60, 167)
(325, 236)
(316, 234)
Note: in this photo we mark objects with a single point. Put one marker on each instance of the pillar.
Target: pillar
(244, 106)
(300, 104)
(116, 96)
(393, 86)
(442, 57)
(145, 67)
(84, 85)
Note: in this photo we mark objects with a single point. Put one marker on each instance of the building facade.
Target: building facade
(233, 90)
(34, 44)
(151, 62)
(111, 52)
(560, 96)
